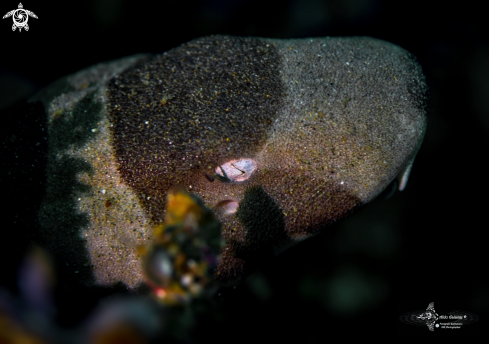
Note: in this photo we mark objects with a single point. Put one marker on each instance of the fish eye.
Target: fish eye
(236, 170)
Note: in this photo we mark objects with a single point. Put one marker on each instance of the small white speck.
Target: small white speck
(186, 279)
(146, 122)
(348, 63)
(94, 130)
(342, 182)
(103, 191)
(147, 198)
(79, 199)
(190, 186)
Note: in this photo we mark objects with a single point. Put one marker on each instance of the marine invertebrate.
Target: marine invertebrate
(179, 264)
(299, 133)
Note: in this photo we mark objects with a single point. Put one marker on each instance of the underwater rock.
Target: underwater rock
(280, 137)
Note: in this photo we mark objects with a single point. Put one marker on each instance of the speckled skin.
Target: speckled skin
(330, 123)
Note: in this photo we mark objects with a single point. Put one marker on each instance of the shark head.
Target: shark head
(295, 133)
(280, 138)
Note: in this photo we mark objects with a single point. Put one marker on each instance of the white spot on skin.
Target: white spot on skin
(237, 170)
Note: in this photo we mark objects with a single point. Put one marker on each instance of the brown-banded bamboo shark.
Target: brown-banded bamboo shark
(280, 137)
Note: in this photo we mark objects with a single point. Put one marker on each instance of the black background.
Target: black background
(395, 255)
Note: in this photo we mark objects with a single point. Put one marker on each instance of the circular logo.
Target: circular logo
(20, 17)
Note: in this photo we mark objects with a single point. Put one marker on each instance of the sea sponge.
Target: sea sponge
(324, 124)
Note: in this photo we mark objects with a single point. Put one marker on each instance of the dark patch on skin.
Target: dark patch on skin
(264, 225)
(191, 109)
(57, 214)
